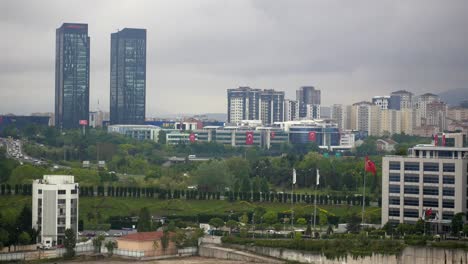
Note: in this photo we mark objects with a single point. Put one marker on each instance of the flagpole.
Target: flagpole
(363, 197)
(292, 199)
(315, 197)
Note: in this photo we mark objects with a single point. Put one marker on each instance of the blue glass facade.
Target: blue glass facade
(325, 136)
(71, 75)
(128, 77)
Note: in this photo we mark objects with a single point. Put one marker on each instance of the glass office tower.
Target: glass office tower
(128, 76)
(71, 75)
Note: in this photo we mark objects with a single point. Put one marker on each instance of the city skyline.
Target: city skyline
(199, 49)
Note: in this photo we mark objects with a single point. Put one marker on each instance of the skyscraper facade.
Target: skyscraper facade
(271, 106)
(307, 95)
(71, 75)
(128, 76)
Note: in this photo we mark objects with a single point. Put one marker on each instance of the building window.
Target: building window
(449, 179)
(411, 213)
(449, 167)
(449, 192)
(431, 179)
(411, 190)
(394, 212)
(411, 166)
(394, 177)
(394, 189)
(448, 204)
(431, 166)
(411, 178)
(61, 201)
(62, 191)
(411, 201)
(431, 191)
(394, 165)
(431, 203)
(394, 201)
(73, 191)
(447, 215)
(39, 191)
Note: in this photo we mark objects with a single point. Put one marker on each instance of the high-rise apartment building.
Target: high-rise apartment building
(71, 75)
(405, 99)
(365, 117)
(390, 122)
(128, 76)
(54, 208)
(436, 114)
(382, 101)
(243, 104)
(431, 177)
(291, 110)
(307, 95)
(313, 111)
(271, 106)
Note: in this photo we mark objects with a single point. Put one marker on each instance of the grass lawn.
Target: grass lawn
(112, 206)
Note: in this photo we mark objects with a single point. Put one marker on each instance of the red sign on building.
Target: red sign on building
(83, 122)
(272, 135)
(312, 136)
(249, 138)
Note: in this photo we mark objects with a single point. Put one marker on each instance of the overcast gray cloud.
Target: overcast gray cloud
(351, 50)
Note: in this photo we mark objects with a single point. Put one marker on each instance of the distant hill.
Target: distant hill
(455, 96)
(216, 116)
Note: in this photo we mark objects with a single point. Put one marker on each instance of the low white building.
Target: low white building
(139, 132)
(54, 208)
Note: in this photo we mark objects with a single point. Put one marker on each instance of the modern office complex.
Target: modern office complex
(128, 76)
(307, 95)
(432, 177)
(291, 110)
(71, 75)
(54, 208)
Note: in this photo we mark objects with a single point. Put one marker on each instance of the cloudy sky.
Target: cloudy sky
(351, 50)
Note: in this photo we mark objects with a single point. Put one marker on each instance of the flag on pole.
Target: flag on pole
(436, 140)
(318, 177)
(370, 166)
(294, 176)
(443, 140)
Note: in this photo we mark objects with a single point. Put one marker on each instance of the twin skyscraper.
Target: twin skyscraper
(72, 72)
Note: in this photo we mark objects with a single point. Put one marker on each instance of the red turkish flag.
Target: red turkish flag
(369, 166)
(249, 139)
(436, 140)
(272, 134)
(443, 140)
(312, 136)
(192, 137)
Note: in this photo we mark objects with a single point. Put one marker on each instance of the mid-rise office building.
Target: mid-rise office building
(432, 177)
(243, 104)
(54, 208)
(128, 76)
(307, 95)
(271, 106)
(71, 75)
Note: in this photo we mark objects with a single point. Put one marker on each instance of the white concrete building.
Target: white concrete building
(382, 101)
(313, 111)
(341, 114)
(430, 177)
(139, 132)
(291, 110)
(54, 207)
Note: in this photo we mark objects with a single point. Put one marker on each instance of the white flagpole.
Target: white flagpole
(292, 199)
(363, 197)
(315, 198)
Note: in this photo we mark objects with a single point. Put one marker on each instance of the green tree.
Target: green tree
(216, 222)
(165, 239)
(144, 220)
(270, 217)
(231, 224)
(97, 243)
(354, 224)
(457, 223)
(244, 219)
(4, 237)
(301, 221)
(110, 246)
(213, 176)
(24, 238)
(69, 243)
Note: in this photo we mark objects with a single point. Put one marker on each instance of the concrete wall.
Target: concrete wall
(410, 255)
